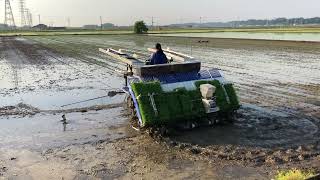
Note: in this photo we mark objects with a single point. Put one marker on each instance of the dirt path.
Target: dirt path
(277, 127)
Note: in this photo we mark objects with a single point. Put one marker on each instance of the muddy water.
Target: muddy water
(35, 79)
(258, 127)
(47, 81)
(278, 84)
(45, 130)
(312, 37)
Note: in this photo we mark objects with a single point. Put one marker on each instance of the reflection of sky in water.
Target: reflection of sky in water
(52, 86)
(252, 35)
(5, 73)
(254, 72)
(47, 129)
(53, 100)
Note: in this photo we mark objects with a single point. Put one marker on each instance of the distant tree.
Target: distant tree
(140, 27)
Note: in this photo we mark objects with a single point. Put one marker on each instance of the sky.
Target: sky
(126, 12)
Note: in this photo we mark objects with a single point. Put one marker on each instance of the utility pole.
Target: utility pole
(9, 19)
(39, 16)
(69, 22)
(152, 22)
(238, 22)
(101, 22)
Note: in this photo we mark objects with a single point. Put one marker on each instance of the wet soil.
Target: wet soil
(276, 128)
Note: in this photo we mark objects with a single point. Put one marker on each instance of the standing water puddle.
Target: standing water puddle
(35, 81)
(47, 130)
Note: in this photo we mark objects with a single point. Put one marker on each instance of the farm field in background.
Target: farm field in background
(162, 31)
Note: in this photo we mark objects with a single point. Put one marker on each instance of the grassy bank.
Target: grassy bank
(162, 31)
(257, 30)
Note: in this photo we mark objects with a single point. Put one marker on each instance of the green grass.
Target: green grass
(294, 174)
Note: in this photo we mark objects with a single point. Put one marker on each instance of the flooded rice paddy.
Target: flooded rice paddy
(278, 84)
(290, 36)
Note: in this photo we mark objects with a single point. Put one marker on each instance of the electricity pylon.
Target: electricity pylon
(28, 17)
(9, 19)
(22, 12)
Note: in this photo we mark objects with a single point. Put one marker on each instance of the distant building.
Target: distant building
(89, 26)
(104, 26)
(57, 28)
(107, 25)
(40, 27)
(4, 27)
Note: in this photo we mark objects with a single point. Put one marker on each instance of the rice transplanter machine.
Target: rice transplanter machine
(179, 93)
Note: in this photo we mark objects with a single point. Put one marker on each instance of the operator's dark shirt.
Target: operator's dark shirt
(158, 58)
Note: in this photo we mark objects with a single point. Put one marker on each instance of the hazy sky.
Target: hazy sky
(125, 12)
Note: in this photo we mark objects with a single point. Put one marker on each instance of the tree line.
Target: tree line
(256, 22)
(278, 21)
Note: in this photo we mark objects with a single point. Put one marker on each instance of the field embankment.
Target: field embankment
(159, 31)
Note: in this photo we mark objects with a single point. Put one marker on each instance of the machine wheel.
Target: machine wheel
(230, 117)
(133, 113)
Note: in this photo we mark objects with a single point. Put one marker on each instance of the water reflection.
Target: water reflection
(312, 37)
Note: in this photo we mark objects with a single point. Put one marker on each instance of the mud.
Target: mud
(276, 128)
(252, 128)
